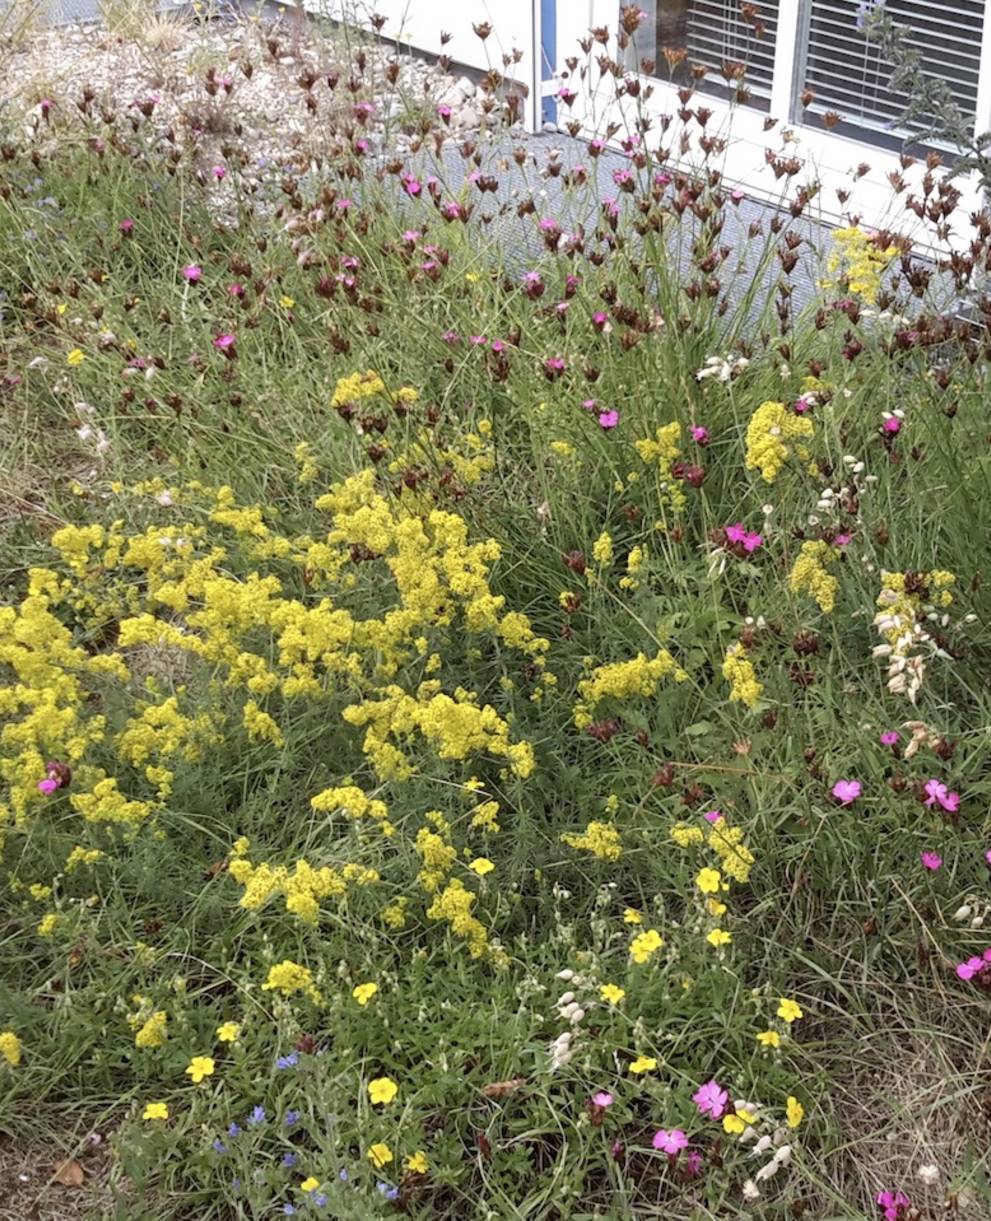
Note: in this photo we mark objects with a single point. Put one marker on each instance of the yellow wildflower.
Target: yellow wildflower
(379, 1155)
(155, 1110)
(364, 993)
(612, 994)
(481, 865)
(417, 1163)
(769, 1038)
(10, 1048)
(228, 1032)
(789, 1011)
(75, 357)
(643, 1064)
(795, 1112)
(199, 1068)
(708, 881)
(739, 673)
(382, 1090)
(719, 937)
(645, 945)
(632, 916)
(772, 427)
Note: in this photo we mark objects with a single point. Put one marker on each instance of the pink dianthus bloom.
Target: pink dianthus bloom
(192, 272)
(931, 860)
(711, 1099)
(602, 1099)
(671, 1142)
(938, 794)
(846, 792)
(893, 1204)
(608, 419)
(890, 738)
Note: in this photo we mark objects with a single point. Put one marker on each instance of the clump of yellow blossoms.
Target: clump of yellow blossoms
(10, 1048)
(810, 575)
(289, 977)
(903, 603)
(454, 904)
(303, 888)
(624, 679)
(770, 434)
(645, 945)
(663, 450)
(739, 673)
(858, 262)
(735, 858)
(599, 838)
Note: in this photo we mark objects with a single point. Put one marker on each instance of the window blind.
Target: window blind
(714, 33)
(849, 76)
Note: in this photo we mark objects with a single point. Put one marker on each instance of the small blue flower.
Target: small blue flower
(292, 1117)
(320, 1200)
(289, 1160)
(387, 1190)
(219, 1146)
(289, 1061)
(288, 1209)
(343, 1176)
(256, 1117)
(233, 1130)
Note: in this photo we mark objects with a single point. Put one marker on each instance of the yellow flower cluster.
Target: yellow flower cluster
(10, 1048)
(454, 905)
(303, 888)
(770, 433)
(900, 606)
(662, 450)
(739, 673)
(858, 262)
(624, 679)
(601, 839)
(735, 858)
(355, 803)
(289, 977)
(810, 575)
(645, 945)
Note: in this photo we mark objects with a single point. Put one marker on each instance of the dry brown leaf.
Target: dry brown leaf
(69, 1174)
(499, 1089)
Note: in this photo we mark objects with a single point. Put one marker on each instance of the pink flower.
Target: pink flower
(700, 435)
(48, 786)
(931, 860)
(711, 1099)
(890, 738)
(712, 815)
(987, 858)
(738, 533)
(236, 290)
(599, 319)
(126, 226)
(968, 969)
(846, 792)
(801, 406)
(893, 1204)
(938, 794)
(602, 1099)
(219, 172)
(841, 540)
(892, 424)
(608, 419)
(671, 1142)
(693, 1163)
(225, 342)
(192, 272)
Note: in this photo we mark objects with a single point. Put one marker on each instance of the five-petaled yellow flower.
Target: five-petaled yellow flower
(156, 1110)
(286, 302)
(228, 1032)
(645, 945)
(364, 993)
(310, 1184)
(200, 1067)
(769, 1038)
(719, 936)
(789, 1011)
(708, 881)
(738, 1122)
(481, 865)
(795, 1112)
(417, 1162)
(75, 357)
(643, 1064)
(612, 994)
(382, 1090)
(380, 1155)
(631, 916)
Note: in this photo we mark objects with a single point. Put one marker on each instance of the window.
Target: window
(726, 36)
(849, 77)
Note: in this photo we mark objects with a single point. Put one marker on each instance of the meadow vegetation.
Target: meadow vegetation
(494, 709)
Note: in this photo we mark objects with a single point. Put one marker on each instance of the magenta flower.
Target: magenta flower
(712, 815)
(987, 858)
(219, 172)
(700, 435)
(671, 1142)
(970, 968)
(599, 319)
(602, 1099)
(711, 1099)
(890, 738)
(444, 112)
(801, 405)
(841, 540)
(693, 1163)
(477, 341)
(938, 794)
(225, 342)
(931, 860)
(846, 792)
(892, 424)
(893, 1204)
(236, 290)
(748, 540)
(48, 786)
(192, 272)
(126, 226)
(608, 419)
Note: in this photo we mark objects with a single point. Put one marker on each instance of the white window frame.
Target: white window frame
(828, 157)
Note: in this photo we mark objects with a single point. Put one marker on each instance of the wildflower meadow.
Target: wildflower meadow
(494, 716)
